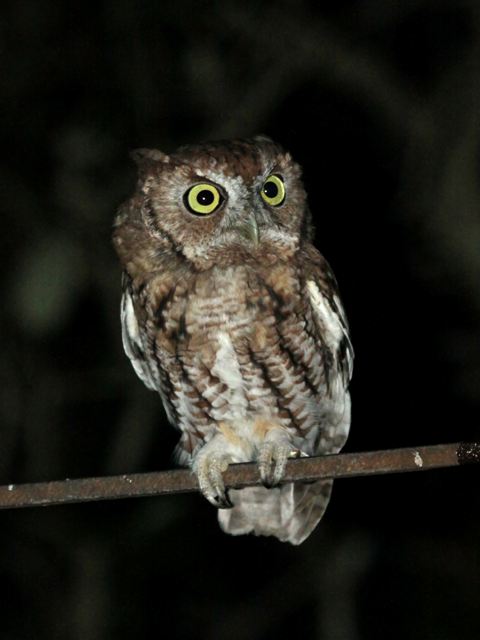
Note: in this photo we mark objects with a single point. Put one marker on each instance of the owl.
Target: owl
(234, 318)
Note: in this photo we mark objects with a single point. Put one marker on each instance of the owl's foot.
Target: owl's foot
(209, 469)
(272, 458)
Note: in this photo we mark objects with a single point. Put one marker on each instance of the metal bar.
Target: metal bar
(237, 476)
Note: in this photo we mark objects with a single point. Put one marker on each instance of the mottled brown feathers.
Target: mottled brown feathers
(234, 318)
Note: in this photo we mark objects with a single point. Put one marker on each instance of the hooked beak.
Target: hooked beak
(249, 230)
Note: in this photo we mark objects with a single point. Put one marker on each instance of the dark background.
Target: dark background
(380, 102)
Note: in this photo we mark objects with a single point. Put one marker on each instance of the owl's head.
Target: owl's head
(221, 201)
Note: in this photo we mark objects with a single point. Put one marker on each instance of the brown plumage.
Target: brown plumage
(234, 318)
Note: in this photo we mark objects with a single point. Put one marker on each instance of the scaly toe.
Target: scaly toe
(265, 462)
(271, 462)
(209, 472)
(221, 497)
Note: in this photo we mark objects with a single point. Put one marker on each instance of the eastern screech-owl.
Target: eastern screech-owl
(231, 314)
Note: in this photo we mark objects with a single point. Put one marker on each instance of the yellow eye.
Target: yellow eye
(202, 199)
(273, 190)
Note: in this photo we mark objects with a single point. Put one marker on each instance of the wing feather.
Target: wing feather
(132, 342)
(333, 327)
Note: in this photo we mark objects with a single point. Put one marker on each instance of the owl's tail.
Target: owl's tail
(290, 513)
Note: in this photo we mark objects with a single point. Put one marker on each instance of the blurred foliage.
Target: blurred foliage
(379, 102)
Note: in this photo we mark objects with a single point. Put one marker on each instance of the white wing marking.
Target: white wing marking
(132, 343)
(334, 323)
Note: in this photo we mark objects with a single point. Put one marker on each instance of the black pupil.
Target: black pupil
(270, 189)
(205, 197)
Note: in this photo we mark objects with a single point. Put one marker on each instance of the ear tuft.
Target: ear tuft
(148, 156)
(147, 161)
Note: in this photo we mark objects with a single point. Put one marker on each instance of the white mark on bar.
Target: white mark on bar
(11, 487)
(418, 459)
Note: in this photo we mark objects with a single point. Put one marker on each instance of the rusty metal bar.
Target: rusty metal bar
(346, 465)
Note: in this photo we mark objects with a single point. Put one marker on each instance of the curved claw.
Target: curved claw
(223, 500)
(297, 453)
(209, 470)
(271, 462)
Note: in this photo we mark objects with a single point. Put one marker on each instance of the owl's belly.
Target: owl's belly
(243, 391)
(235, 362)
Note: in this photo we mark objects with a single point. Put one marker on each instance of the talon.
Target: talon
(209, 470)
(223, 501)
(271, 462)
(219, 501)
(267, 483)
(297, 453)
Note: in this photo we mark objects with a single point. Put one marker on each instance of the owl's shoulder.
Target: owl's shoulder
(313, 266)
(290, 273)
